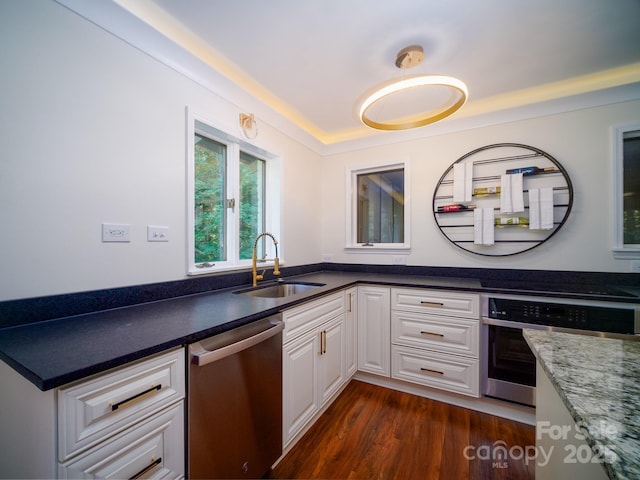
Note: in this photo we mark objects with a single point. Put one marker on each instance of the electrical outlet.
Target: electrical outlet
(157, 234)
(327, 257)
(635, 266)
(115, 232)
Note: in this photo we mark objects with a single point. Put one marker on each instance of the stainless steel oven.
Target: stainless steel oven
(508, 367)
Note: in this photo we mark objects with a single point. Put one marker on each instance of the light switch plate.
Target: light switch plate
(157, 234)
(115, 232)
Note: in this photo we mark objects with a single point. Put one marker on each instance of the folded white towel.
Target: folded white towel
(546, 208)
(483, 219)
(534, 209)
(511, 197)
(541, 208)
(462, 182)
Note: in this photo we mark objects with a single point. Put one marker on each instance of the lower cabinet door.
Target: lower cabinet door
(374, 330)
(299, 384)
(439, 370)
(152, 449)
(330, 363)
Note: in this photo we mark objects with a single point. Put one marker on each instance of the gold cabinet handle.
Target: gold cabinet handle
(154, 462)
(432, 334)
(432, 372)
(431, 304)
(135, 398)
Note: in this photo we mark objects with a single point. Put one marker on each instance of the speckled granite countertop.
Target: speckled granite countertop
(598, 380)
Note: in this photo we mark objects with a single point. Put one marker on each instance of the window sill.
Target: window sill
(381, 248)
(244, 267)
(626, 253)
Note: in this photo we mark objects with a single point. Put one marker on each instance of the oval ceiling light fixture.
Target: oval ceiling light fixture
(446, 95)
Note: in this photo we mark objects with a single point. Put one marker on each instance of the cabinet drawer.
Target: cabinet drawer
(92, 410)
(304, 318)
(155, 449)
(449, 335)
(438, 370)
(439, 302)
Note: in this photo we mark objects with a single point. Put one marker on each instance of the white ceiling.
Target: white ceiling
(313, 60)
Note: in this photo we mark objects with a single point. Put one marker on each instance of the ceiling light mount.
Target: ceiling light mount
(451, 96)
(410, 57)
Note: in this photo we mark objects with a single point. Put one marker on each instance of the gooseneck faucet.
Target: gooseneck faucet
(276, 261)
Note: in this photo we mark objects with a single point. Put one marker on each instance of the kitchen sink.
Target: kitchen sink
(283, 289)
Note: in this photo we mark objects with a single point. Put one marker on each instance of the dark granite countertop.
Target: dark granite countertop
(54, 352)
(598, 380)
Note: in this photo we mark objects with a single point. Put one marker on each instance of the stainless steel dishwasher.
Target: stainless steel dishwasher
(234, 414)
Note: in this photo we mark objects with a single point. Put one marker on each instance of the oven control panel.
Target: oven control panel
(583, 317)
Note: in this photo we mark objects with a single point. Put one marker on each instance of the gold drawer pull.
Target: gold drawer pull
(433, 372)
(154, 462)
(139, 396)
(323, 343)
(431, 304)
(432, 334)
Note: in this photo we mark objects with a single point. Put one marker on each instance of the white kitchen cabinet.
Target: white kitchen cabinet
(438, 333)
(438, 302)
(331, 359)
(117, 424)
(91, 410)
(308, 316)
(436, 339)
(374, 335)
(153, 449)
(313, 361)
(126, 422)
(299, 383)
(351, 332)
(453, 373)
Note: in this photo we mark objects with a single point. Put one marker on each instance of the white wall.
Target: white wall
(93, 131)
(579, 140)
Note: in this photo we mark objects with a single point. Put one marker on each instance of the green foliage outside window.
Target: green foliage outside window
(210, 195)
(210, 201)
(252, 174)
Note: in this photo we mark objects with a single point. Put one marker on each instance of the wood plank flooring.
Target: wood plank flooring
(371, 432)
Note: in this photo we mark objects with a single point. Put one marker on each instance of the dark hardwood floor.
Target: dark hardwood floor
(372, 432)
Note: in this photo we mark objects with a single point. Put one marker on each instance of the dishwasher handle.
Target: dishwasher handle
(201, 356)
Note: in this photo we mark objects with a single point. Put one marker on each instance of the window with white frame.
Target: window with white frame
(378, 211)
(233, 195)
(626, 143)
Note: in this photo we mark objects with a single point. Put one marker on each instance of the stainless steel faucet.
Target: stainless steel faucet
(276, 261)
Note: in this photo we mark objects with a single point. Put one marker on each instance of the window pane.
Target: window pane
(210, 195)
(380, 207)
(631, 185)
(252, 204)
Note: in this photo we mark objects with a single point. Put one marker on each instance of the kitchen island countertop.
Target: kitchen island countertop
(598, 380)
